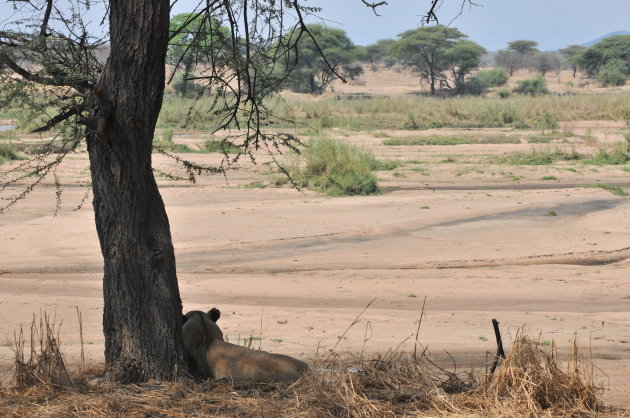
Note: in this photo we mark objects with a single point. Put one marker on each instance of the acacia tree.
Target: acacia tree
(462, 58)
(516, 55)
(380, 52)
(193, 38)
(508, 60)
(317, 65)
(424, 51)
(48, 59)
(612, 49)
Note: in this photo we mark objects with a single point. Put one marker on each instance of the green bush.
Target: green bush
(613, 73)
(222, 147)
(536, 86)
(618, 156)
(495, 77)
(166, 143)
(483, 80)
(8, 152)
(504, 93)
(475, 87)
(334, 167)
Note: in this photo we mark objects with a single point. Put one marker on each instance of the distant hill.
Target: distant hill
(594, 41)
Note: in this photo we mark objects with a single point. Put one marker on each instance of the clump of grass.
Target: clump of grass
(552, 213)
(549, 178)
(222, 147)
(619, 155)
(616, 190)
(334, 167)
(8, 152)
(45, 364)
(386, 165)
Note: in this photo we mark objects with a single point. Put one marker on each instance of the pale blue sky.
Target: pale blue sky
(552, 23)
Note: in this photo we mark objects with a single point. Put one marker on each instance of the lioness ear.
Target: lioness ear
(214, 314)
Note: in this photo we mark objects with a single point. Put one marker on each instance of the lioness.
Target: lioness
(208, 355)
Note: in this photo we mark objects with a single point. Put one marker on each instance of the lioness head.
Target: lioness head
(199, 331)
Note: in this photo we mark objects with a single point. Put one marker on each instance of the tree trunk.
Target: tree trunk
(142, 311)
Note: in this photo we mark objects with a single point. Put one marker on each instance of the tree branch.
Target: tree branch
(374, 5)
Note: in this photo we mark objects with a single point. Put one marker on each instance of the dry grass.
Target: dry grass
(532, 381)
(45, 364)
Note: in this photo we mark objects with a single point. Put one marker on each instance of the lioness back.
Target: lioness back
(240, 364)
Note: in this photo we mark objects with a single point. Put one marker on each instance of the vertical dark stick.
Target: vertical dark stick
(500, 352)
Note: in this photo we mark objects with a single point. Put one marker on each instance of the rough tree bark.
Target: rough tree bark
(142, 306)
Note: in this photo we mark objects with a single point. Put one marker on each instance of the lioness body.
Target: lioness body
(239, 363)
(208, 355)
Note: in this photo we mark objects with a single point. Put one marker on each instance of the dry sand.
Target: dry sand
(294, 268)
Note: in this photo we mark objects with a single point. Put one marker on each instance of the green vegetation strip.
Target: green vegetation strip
(451, 140)
(616, 190)
(619, 155)
(413, 112)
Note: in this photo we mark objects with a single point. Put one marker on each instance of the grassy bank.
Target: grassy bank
(417, 112)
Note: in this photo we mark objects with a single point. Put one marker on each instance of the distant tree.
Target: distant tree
(311, 73)
(424, 51)
(510, 60)
(195, 39)
(572, 55)
(462, 58)
(609, 49)
(546, 61)
(379, 52)
(524, 49)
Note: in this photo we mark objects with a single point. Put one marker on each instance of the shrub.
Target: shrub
(618, 156)
(536, 86)
(612, 73)
(495, 77)
(504, 93)
(334, 167)
(483, 80)
(166, 143)
(222, 147)
(8, 152)
(475, 87)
